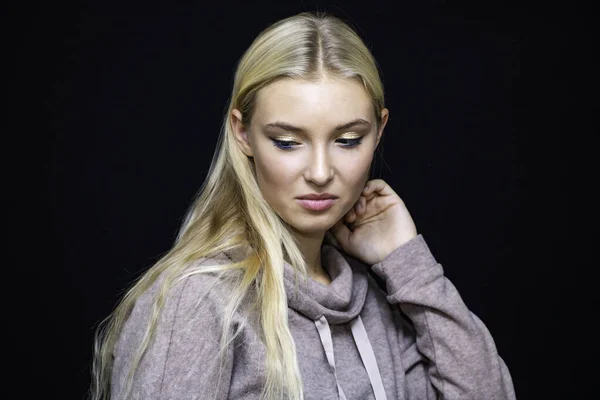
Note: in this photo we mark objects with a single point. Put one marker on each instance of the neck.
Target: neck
(310, 247)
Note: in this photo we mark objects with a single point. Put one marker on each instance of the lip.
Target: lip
(316, 205)
(317, 196)
(316, 201)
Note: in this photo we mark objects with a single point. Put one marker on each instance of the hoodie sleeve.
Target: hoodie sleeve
(462, 357)
(183, 360)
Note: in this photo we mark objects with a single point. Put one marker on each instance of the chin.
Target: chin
(310, 226)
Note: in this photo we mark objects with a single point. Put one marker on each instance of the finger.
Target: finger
(377, 186)
(350, 216)
(361, 206)
(341, 233)
(379, 204)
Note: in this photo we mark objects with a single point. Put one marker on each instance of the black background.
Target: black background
(131, 100)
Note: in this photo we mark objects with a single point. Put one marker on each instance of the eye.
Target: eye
(284, 144)
(350, 142)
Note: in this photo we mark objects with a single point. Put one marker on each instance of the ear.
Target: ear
(384, 118)
(241, 133)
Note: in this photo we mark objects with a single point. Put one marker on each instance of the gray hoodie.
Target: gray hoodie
(403, 333)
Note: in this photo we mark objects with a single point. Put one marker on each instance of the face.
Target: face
(311, 139)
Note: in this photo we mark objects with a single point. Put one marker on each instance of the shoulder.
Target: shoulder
(204, 288)
(191, 297)
(181, 315)
(197, 290)
(200, 281)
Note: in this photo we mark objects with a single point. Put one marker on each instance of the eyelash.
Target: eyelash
(289, 145)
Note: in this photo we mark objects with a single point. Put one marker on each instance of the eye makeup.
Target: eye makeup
(284, 144)
(350, 142)
(288, 142)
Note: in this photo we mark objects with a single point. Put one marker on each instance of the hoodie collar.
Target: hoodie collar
(340, 301)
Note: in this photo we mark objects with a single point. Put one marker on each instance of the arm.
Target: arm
(183, 360)
(464, 362)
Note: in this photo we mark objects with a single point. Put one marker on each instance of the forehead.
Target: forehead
(313, 104)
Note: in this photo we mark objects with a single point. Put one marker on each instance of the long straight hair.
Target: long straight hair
(230, 210)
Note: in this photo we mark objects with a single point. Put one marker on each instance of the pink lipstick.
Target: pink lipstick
(316, 202)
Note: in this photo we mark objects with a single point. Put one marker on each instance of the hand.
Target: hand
(378, 223)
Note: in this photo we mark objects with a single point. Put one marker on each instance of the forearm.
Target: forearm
(462, 356)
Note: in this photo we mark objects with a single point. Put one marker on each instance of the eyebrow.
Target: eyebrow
(288, 127)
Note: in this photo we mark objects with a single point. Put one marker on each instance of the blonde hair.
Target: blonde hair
(230, 210)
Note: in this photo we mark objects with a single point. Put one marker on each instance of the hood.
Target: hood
(339, 302)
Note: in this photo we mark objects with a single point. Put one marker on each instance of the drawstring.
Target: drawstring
(368, 357)
(325, 334)
(364, 348)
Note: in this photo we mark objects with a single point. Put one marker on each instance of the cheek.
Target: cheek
(275, 172)
(353, 174)
(355, 170)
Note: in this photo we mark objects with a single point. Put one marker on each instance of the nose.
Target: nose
(320, 168)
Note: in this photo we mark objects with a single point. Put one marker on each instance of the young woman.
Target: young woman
(295, 276)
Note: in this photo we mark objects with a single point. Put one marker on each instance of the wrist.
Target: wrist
(399, 241)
